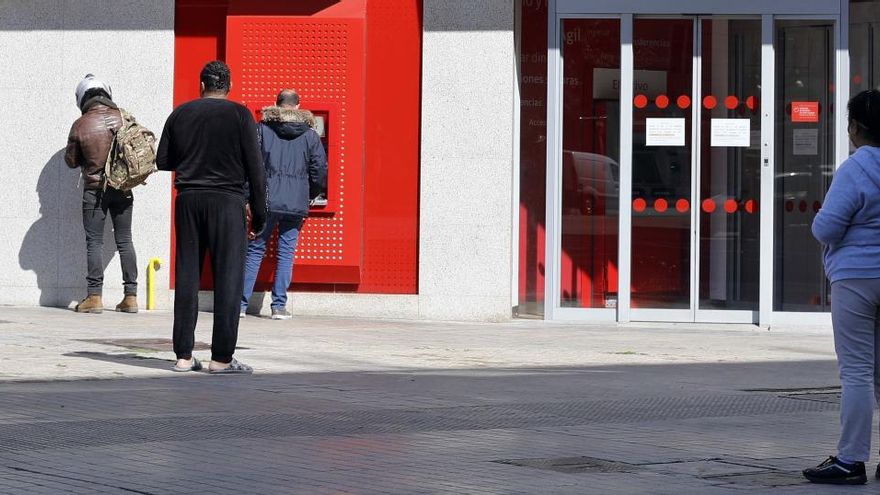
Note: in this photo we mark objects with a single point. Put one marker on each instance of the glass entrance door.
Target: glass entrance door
(696, 169)
(805, 160)
(684, 170)
(728, 228)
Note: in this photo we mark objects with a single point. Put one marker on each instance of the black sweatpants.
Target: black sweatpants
(214, 222)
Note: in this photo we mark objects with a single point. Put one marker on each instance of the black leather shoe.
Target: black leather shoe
(834, 472)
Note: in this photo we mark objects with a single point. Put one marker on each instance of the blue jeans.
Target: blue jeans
(288, 235)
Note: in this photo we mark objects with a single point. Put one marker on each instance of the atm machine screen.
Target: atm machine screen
(321, 129)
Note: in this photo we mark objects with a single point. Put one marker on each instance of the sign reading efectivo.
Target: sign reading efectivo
(606, 83)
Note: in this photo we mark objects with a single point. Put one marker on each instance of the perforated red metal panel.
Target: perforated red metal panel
(323, 60)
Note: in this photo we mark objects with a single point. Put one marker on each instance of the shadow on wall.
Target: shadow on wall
(116, 15)
(484, 15)
(55, 244)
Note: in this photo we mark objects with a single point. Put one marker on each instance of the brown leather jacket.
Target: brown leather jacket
(89, 141)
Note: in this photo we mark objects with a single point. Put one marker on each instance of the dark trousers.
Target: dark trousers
(213, 222)
(96, 204)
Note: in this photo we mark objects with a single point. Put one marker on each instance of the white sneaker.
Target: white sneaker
(242, 314)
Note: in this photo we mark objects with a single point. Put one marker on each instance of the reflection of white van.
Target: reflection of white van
(588, 178)
(808, 183)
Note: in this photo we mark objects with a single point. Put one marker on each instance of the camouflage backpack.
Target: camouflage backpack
(132, 156)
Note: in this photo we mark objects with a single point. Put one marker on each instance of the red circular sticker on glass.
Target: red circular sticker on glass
(661, 205)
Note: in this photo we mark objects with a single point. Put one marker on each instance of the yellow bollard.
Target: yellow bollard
(154, 265)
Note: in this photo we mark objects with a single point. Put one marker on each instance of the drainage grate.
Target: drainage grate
(832, 398)
(704, 468)
(803, 390)
(717, 471)
(827, 395)
(572, 465)
(770, 479)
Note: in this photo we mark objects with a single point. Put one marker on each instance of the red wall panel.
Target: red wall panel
(199, 37)
(393, 137)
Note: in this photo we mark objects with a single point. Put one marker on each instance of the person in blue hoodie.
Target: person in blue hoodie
(296, 173)
(848, 226)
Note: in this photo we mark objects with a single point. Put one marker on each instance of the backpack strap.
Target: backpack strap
(126, 116)
(111, 154)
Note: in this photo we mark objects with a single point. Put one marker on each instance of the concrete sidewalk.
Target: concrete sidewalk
(368, 406)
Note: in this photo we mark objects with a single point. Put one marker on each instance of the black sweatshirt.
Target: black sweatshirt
(212, 145)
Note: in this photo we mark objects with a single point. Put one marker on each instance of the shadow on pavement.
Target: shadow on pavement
(127, 358)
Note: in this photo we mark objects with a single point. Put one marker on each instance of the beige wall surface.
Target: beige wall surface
(465, 240)
(46, 47)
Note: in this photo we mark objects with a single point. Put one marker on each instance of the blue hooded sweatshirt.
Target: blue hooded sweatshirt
(848, 225)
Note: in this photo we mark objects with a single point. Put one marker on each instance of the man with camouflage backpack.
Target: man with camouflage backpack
(92, 138)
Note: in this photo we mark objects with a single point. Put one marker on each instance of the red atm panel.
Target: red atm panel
(323, 59)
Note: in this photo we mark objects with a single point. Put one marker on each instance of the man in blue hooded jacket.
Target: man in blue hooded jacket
(296, 173)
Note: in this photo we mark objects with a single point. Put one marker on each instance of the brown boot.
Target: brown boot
(91, 304)
(129, 304)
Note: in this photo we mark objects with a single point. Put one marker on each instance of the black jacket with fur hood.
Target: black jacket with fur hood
(295, 161)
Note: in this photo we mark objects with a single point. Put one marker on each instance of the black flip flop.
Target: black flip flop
(195, 366)
(235, 368)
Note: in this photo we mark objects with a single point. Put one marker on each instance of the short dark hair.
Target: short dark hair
(864, 110)
(287, 97)
(216, 76)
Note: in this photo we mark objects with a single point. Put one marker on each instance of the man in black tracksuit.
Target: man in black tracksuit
(211, 143)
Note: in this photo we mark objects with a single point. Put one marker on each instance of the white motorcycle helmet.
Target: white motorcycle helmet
(90, 82)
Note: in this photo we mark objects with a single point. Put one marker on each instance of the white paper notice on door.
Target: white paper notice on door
(805, 142)
(731, 133)
(664, 132)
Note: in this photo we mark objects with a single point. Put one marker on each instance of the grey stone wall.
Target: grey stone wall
(467, 160)
(46, 46)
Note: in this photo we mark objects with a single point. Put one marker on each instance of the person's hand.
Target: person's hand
(257, 224)
(251, 235)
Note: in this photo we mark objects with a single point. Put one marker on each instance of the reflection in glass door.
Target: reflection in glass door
(730, 165)
(663, 60)
(805, 160)
(590, 162)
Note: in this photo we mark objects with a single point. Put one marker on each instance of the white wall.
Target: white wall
(465, 244)
(46, 46)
